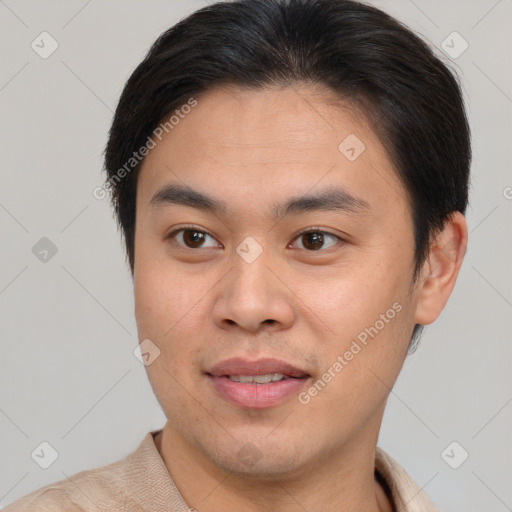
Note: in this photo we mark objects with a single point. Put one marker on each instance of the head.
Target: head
(290, 178)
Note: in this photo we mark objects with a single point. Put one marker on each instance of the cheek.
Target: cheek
(369, 314)
(349, 299)
(164, 299)
(167, 310)
(361, 366)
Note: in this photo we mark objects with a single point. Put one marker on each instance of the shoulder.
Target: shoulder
(105, 488)
(406, 494)
(94, 489)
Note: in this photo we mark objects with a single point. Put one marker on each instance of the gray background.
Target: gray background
(68, 375)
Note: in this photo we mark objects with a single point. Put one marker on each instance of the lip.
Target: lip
(240, 366)
(256, 396)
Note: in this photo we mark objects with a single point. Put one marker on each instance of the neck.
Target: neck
(341, 481)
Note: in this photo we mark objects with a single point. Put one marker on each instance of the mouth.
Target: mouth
(256, 384)
(260, 379)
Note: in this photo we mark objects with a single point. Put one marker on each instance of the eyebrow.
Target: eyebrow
(331, 199)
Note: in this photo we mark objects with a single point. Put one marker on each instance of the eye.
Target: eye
(316, 239)
(192, 238)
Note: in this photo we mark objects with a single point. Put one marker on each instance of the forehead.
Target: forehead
(271, 142)
(260, 122)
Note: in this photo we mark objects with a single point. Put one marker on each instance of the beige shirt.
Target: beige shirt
(141, 483)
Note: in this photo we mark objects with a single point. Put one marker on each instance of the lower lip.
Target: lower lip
(256, 396)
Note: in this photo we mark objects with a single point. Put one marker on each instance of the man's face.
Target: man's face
(245, 282)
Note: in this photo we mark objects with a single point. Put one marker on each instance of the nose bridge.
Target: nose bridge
(250, 281)
(250, 260)
(251, 294)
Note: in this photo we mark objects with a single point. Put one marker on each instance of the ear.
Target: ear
(441, 268)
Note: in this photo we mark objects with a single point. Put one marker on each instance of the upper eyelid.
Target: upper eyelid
(174, 232)
(189, 228)
(313, 229)
(302, 232)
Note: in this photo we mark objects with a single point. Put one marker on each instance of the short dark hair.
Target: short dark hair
(363, 55)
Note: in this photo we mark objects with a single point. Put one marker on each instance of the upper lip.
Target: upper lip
(240, 366)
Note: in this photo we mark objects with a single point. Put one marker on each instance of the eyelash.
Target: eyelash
(318, 229)
(173, 234)
(306, 231)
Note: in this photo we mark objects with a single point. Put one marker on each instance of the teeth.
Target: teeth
(257, 379)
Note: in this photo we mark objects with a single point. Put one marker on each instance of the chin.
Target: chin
(257, 458)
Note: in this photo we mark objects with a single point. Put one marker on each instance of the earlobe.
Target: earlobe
(440, 270)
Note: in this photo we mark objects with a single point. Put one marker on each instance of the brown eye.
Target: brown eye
(316, 240)
(313, 240)
(192, 238)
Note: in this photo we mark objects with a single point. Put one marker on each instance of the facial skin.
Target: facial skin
(252, 149)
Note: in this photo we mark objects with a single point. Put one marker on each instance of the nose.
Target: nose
(253, 297)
